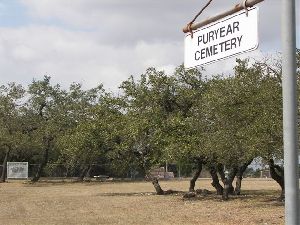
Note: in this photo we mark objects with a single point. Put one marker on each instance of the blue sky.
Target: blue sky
(11, 13)
(106, 41)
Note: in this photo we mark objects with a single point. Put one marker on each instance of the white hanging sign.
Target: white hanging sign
(232, 35)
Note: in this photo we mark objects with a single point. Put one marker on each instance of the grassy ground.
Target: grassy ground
(135, 203)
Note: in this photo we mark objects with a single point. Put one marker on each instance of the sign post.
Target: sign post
(290, 121)
(230, 36)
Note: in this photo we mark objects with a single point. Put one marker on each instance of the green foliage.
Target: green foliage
(158, 117)
(12, 137)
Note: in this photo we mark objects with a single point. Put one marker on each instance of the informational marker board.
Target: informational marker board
(227, 37)
(17, 170)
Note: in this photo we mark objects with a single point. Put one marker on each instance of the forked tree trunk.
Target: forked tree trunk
(196, 175)
(230, 181)
(215, 181)
(277, 174)
(239, 177)
(37, 176)
(4, 165)
(228, 188)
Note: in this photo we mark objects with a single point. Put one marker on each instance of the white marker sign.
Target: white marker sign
(232, 35)
(17, 170)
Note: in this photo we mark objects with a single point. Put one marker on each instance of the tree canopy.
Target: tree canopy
(182, 117)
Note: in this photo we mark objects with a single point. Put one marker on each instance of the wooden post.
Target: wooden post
(236, 8)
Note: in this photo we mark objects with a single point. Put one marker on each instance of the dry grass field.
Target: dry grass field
(97, 203)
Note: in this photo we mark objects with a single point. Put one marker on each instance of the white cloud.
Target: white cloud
(77, 56)
(92, 41)
(121, 22)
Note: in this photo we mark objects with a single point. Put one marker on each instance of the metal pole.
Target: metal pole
(289, 92)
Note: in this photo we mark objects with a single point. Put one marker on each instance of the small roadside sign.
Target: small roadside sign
(17, 170)
(230, 36)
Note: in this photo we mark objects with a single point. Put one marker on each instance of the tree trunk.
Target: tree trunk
(231, 177)
(228, 188)
(4, 165)
(216, 184)
(220, 169)
(239, 177)
(158, 189)
(88, 173)
(196, 175)
(84, 172)
(277, 174)
(37, 176)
